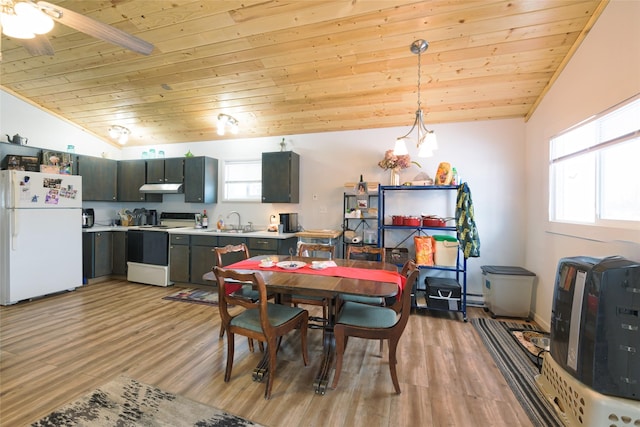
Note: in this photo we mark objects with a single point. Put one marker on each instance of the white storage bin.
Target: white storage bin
(507, 290)
(446, 252)
(150, 274)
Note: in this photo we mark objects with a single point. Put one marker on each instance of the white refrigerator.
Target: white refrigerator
(40, 234)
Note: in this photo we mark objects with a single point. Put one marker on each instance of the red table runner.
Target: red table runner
(347, 272)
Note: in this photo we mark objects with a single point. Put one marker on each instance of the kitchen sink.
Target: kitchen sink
(230, 231)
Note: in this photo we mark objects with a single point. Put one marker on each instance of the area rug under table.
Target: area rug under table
(127, 402)
(196, 296)
(518, 367)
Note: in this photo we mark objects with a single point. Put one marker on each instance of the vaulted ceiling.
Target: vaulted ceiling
(291, 67)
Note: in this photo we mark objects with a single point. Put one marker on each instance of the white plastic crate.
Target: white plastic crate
(150, 274)
(578, 405)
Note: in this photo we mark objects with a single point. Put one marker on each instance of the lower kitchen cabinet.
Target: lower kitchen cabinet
(203, 259)
(264, 246)
(119, 253)
(179, 258)
(97, 250)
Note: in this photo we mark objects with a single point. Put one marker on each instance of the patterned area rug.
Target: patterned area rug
(127, 402)
(196, 296)
(517, 367)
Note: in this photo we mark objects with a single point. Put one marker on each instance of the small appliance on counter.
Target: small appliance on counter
(273, 223)
(88, 218)
(289, 222)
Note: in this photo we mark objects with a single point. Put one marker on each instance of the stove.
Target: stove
(148, 249)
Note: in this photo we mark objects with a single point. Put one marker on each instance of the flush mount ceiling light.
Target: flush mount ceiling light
(226, 121)
(119, 133)
(427, 142)
(23, 20)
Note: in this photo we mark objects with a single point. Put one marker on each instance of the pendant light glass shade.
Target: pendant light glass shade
(400, 149)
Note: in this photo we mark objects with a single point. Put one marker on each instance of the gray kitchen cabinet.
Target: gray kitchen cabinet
(97, 249)
(280, 177)
(132, 175)
(200, 180)
(119, 253)
(179, 255)
(99, 178)
(264, 246)
(164, 171)
(203, 259)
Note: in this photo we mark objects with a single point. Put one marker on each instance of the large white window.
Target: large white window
(595, 170)
(243, 180)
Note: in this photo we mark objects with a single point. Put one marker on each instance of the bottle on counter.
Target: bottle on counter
(205, 219)
(454, 177)
(220, 223)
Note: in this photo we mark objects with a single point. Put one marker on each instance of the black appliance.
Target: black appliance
(88, 218)
(595, 323)
(289, 222)
(152, 217)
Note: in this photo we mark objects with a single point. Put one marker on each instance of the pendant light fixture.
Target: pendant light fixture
(427, 142)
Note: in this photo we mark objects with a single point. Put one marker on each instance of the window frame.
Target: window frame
(601, 229)
(225, 181)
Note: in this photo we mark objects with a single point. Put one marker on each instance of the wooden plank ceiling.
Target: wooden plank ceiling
(290, 67)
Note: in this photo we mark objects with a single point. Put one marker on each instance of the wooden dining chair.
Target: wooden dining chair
(369, 253)
(228, 255)
(371, 322)
(308, 250)
(260, 320)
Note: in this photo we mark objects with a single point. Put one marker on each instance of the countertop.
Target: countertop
(196, 231)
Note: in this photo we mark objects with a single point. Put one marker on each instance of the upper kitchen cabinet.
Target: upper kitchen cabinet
(280, 177)
(132, 175)
(161, 171)
(200, 179)
(99, 178)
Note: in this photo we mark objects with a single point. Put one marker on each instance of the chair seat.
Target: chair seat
(363, 299)
(278, 315)
(367, 316)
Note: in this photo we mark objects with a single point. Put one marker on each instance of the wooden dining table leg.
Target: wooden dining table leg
(321, 380)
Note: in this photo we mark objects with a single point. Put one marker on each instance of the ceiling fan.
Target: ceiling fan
(29, 21)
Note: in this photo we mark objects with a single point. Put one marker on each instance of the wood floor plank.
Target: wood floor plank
(55, 349)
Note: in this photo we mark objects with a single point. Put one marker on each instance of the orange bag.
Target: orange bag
(425, 246)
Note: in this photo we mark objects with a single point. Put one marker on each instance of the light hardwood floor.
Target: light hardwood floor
(57, 348)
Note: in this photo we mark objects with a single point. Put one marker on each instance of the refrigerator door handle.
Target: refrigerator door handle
(14, 229)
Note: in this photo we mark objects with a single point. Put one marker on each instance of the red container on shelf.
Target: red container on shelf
(412, 221)
(397, 220)
(433, 221)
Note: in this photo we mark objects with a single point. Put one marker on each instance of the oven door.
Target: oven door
(148, 247)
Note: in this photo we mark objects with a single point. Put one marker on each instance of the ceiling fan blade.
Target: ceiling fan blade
(39, 45)
(95, 28)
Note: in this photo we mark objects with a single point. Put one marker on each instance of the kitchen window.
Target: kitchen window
(243, 180)
(594, 173)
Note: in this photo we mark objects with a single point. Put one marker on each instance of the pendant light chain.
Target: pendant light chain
(419, 55)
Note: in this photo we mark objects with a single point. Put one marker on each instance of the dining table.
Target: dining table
(325, 278)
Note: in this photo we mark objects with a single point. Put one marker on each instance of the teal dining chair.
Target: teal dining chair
(377, 323)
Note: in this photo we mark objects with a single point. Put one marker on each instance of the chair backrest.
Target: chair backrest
(231, 278)
(403, 305)
(307, 249)
(366, 252)
(231, 253)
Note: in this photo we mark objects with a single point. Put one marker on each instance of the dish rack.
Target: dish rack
(578, 405)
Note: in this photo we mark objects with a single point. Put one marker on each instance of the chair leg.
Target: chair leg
(304, 324)
(230, 348)
(221, 331)
(338, 332)
(272, 348)
(250, 341)
(381, 347)
(393, 362)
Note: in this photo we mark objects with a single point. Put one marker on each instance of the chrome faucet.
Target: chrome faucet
(239, 220)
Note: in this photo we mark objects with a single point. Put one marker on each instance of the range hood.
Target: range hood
(161, 188)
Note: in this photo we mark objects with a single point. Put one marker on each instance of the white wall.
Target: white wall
(46, 130)
(604, 71)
